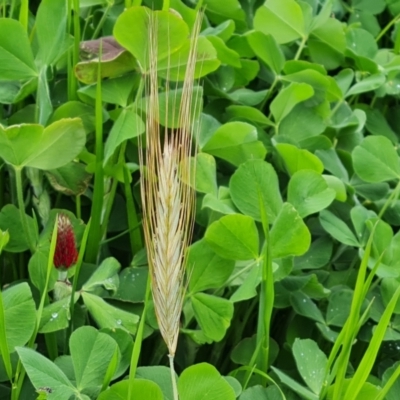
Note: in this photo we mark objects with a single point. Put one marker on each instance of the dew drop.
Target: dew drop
(119, 322)
(54, 315)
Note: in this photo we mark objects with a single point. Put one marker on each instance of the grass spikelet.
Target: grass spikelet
(168, 200)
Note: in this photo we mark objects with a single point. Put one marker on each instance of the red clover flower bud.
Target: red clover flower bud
(66, 253)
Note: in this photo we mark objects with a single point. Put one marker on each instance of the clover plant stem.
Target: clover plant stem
(51, 345)
(173, 377)
(73, 53)
(76, 276)
(158, 353)
(101, 23)
(19, 380)
(21, 206)
(387, 27)
(69, 55)
(2, 187)
(123, 233)
(87, 21)
(245, 316)
(12, 7)
(269, 92)
(21, 266)
(77, 32)
(346, 6)
(12, 258)
(233, 277)
(78, 207)
(335, 108)
(372, 104)
(133, 220)
(267, 293)
(301, 47)
(58, 200)
(108, 207)
(393, 196)
(112, 191)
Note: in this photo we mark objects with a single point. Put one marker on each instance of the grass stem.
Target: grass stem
(173, 377)
(98, 190)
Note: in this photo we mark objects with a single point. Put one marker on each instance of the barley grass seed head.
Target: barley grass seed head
(167, 172)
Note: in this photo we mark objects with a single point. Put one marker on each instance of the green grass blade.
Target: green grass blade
(371, 275)
(388, 385)
(369, 358)
(98, 191)
(112, 367)
(351, 324)
(4, 351)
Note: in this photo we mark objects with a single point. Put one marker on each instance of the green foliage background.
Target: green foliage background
(295, 265)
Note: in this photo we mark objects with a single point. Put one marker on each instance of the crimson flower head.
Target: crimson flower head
(66, 253)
